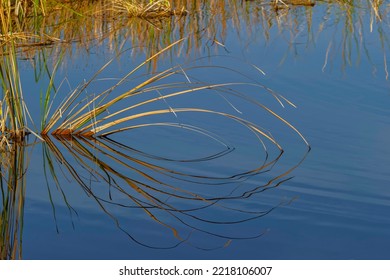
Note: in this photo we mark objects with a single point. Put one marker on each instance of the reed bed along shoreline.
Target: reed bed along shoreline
(50, 23)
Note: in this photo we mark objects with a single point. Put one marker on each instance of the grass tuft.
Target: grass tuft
(151, 9)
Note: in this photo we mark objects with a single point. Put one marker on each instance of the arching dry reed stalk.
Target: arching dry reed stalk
(93, 116)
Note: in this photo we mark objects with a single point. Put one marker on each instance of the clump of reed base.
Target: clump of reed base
(152, 9)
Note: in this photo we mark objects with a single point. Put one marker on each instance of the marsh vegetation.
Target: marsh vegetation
(83, 130)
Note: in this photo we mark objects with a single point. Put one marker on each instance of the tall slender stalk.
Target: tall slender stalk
(13, 113)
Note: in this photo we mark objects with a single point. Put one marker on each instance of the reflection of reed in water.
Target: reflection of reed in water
(84, 24)
(12, 184)
(135, 180)
(185, 204)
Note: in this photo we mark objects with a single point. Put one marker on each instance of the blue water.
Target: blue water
(333, 202)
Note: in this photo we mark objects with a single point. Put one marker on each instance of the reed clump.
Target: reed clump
(151, 9)
(12, 107)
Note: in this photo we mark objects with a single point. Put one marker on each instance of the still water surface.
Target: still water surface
(332, 202)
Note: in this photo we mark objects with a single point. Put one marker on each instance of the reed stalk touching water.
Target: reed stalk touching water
(12, 107)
